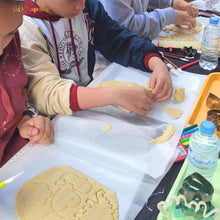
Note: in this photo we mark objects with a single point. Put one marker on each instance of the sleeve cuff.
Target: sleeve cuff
(73, 98)
(147, 57)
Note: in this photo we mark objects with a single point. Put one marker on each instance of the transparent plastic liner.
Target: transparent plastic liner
(121, 159)
(131, 186)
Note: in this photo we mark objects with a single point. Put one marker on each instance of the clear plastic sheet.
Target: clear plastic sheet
(122, 159)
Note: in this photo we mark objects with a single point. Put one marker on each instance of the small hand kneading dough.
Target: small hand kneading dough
(122, 83)
(179, 94)
(167, 134)
(174, 113)
(62, 193)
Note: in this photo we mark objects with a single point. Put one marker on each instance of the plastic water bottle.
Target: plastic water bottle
(209, 49)
(203, 151)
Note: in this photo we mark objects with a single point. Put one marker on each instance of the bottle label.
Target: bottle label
(206, 43)
(207, 162)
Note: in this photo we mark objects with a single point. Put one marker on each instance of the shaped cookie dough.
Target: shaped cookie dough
(62, 193)
(179, 94)
(174, 113)
(182, 33)
(167, 134)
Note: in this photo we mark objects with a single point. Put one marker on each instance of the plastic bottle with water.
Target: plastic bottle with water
(203, 151)
(209, 48)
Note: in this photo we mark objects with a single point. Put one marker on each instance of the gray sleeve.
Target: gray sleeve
(133, 15)
(160, 3)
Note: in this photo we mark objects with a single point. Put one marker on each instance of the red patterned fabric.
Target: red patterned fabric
(12, 99)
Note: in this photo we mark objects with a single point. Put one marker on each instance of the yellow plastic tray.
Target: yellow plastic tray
(199, 110)
(177, 185)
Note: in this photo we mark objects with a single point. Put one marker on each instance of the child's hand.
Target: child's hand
(182, 5)
(183, 18)
(192, 10)
(134, 99)
(160, 80)
(38, 130)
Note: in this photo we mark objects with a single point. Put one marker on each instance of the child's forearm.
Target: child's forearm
(95, 97)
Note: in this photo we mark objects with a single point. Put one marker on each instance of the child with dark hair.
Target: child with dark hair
(16, 121)
(59, 39)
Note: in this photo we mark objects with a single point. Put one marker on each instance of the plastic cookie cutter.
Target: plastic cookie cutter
(189, 52)
(193, 199)
(214, 116)
(196, 187)
(213, 101)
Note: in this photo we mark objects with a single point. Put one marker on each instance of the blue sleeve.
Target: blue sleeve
(115, 42)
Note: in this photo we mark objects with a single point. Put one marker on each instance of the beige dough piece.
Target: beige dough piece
(167, 134)
(179, 94)
(174, 113)
(107, 128)
(121, 83)
(116, 83)
(62, 193)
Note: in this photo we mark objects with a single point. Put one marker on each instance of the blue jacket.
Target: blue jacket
(116, 43)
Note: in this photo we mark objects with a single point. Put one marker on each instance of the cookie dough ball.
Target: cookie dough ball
(179, 94)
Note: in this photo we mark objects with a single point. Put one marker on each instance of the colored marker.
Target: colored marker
(186, 143)
(186, 136)
(184, 140)
(190, 127)
(189, 64)
(190, 131)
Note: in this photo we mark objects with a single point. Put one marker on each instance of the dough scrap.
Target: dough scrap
(179, 94)
(174, 113)
(167, 134)
(107, 128)
(62, 193)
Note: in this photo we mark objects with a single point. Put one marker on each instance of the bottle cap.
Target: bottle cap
(207, 127)
(214, 20)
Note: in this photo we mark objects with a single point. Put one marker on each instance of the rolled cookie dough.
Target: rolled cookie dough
(62, 193)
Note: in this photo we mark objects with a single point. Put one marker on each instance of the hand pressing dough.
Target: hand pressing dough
(179, 94)
(174, 113)
(62, 193)
(121, 83)
(167, 134)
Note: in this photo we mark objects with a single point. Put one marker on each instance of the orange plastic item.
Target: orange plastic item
(199, 110)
